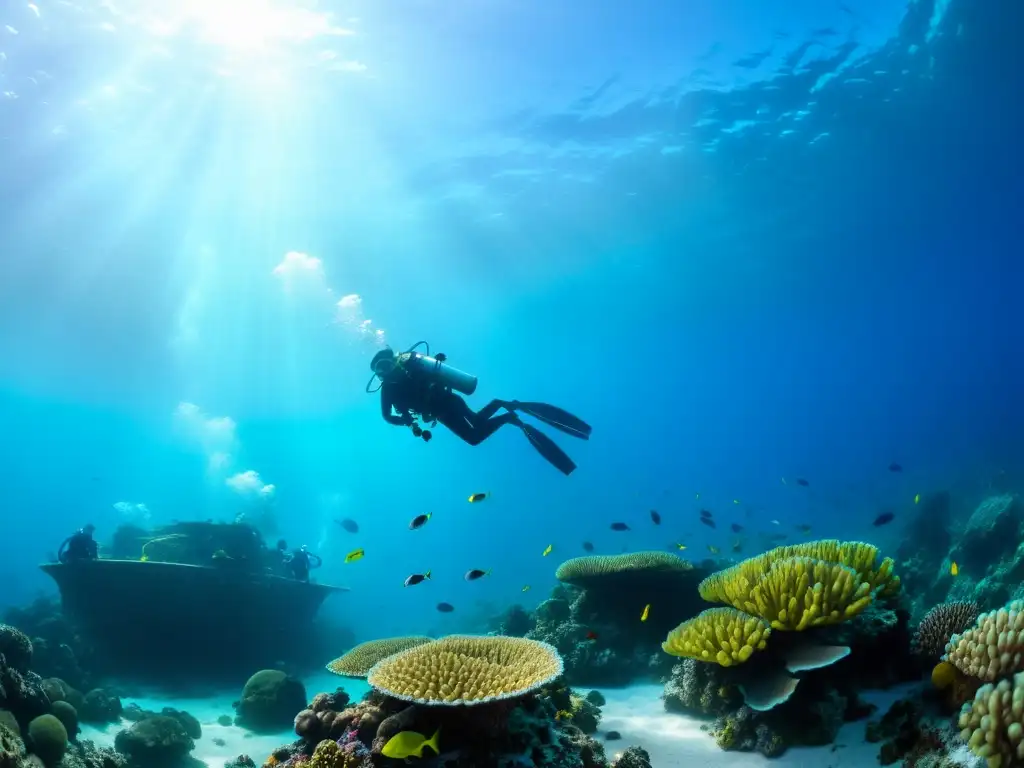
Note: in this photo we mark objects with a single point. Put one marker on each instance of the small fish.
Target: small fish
(784, 481)
(563, 714)
(708, 522)
(526, 588)
(884, 519)
(894, 467)
(713, 549)
(588, 547)
(619, 527)
(591, 635)
(417, 578)
(410, 744)
(804, 528)
(775, 522)
(646, 613)
(354, 555)
(547, 550)
(736, 527)
(705, 513)
(419, 521)
(445, 607)
(917, 498)
(475, 573)
(735, 501)
(655, 517)
(954, 569)
(737, 545)
(696, 496)
(144, 559)
(801, 481)
(477, 497)
(349, 525)
(680, 547)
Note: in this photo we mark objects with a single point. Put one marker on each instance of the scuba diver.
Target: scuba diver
(79, 546)
(301, 561)
(416, 385)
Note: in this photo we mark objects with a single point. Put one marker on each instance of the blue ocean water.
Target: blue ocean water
(748, 242)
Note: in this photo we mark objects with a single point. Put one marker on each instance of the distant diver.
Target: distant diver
(79, 546)
(417, 386)
(301, 561)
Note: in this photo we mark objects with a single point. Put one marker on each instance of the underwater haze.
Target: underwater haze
(750, 243)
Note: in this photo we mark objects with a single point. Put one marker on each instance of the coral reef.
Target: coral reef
(269, 701)
(695, 687)
(154, 741)
(358, 661)
(58, 648)
(48, 739)
(527, 720)
(100, 706)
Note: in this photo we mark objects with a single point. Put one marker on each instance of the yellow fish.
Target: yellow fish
(680, 547)
(954, 569)
(526, 588)
(410, 744)
(355, 554)
(917, 498)
(713, 549)
(144, 559)
(547, 550)
(474, 498)
(646, 613)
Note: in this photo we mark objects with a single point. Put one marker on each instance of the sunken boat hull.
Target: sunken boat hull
(159, 619)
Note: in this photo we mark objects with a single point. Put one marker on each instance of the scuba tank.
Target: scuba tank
(438, 372)
(434, 370)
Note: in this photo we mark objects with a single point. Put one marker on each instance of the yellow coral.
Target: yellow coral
(358, 661)
(467, 669)
(734, 585)
(581, 570)
(993, 647)
(722, 635)
(992, 724)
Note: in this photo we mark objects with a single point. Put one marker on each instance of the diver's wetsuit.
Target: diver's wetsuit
(301, 562)
(78, 546)
(406, 395)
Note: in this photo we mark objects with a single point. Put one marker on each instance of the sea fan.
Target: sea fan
(941, 623)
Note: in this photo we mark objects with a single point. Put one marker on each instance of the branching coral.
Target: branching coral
(358, 661)
(722, 635)
(733, 585)
(940, 624)
(465, 669)
(993, 724)
(993, 647)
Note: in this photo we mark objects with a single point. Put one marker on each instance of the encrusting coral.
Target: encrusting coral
(940, 624)
(993, 647)
(722, 635)
(360, 659)
(467, 670)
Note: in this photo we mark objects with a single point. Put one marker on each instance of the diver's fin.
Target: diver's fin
(547, 448)
(555, 417)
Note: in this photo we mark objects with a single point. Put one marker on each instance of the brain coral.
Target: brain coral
(358, 661)
(584, 571)
(993, 647)
(467, 669)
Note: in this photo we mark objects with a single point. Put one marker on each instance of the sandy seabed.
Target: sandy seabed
(636, 712)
